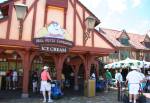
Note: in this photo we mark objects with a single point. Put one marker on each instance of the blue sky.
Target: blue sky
(3, 0)
(131, 15)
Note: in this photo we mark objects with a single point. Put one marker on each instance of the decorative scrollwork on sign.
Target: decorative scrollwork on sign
(86, 36)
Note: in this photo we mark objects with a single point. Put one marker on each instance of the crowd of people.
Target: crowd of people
(11, 79)
(134, 80)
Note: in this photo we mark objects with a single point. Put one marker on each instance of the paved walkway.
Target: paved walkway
(101, 97)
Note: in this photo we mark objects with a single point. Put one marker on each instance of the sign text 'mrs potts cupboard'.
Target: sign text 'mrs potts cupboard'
(53, 38)
(53, 41)
(53, 45)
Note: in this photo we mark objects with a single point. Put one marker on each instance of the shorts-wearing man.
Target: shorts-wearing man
(134, 78)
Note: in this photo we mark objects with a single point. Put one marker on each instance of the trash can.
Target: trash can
(89, 88)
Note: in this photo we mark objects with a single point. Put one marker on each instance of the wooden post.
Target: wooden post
(26, 68)
(59, 65)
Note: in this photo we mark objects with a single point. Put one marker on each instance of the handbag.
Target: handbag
(142, 99)
(49, 81)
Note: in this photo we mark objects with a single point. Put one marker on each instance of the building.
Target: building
(34, 37)
(134, 46)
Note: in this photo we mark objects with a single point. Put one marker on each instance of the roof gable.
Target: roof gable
(147, 38)
(113, 35)
(124, 35)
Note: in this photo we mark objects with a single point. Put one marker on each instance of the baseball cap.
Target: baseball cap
(45, 67)
(134, 67)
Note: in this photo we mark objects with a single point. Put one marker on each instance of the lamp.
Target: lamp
(89, 26)
(21, 11)
(90, 22)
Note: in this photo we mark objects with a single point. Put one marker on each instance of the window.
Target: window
(124, 54)
(147, 44)
(114, 56)
(1, 16)
(147, 56)
(124, 41)
(4, 11)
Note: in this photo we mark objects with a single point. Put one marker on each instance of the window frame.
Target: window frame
(124, 43)
(6, 7)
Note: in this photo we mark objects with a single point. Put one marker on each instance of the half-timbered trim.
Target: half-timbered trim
(90, 13)
(34, 19)
(45, 16)
(77, 13)
(9, 20)
(92, 36)
(84, 24)
(65, 18)
(24, 1)
(74, 24)
(101, 36)
(61, 3)
(31, 7)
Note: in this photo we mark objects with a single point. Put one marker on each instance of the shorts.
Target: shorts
(34, 84)
(45, 86)
(134, 88)
(8, 78)
(15, 79)
(109, 82)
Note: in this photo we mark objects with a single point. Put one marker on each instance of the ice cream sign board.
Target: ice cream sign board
(53, 39)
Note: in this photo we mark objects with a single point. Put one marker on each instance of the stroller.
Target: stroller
(147, 87)
(56, 92)
(141, 97)
(100, 85)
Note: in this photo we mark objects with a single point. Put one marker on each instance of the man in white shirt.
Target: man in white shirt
(14, 78)
(118, 77)
(134, 78)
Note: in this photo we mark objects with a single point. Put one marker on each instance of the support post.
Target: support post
(26, 68)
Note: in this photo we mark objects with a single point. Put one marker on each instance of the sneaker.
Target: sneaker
(50, 101)
(44, 101)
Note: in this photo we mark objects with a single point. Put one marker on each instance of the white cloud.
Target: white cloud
(117, 6)
(91, 3)
(136, 3)
(113, 15)
(140, 27)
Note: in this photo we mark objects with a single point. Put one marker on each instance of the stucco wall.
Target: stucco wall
(39, 23)
(100, 42)
(27, 31)
(39, 15)
(69, 17)
(3, 29)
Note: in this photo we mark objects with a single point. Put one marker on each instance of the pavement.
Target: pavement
(101, 97)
